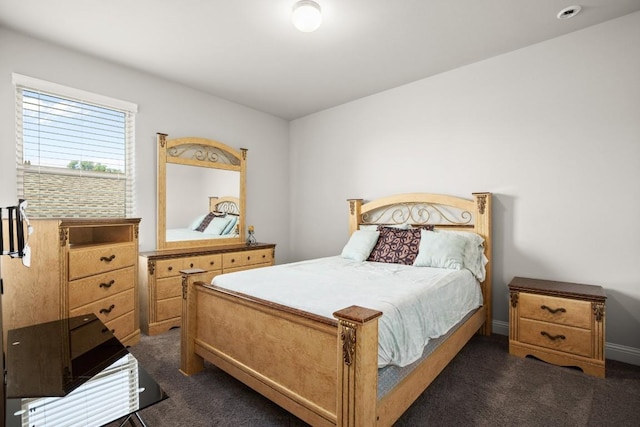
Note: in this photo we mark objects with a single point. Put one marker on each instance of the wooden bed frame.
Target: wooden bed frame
(323, 370)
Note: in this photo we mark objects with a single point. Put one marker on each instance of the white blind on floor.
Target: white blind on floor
(111, 394)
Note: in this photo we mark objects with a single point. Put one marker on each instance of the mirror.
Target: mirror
(197, 176)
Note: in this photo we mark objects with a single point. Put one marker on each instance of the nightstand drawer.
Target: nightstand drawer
(562, 338)
(563, 311)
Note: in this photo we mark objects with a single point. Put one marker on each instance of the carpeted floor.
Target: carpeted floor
(483, 386)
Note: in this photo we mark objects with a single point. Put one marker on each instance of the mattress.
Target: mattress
(418, 303)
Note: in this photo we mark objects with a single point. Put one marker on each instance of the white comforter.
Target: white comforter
(418, 303)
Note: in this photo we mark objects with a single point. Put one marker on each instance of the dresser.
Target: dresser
(558, 322)
(78, 266)
(161, 281)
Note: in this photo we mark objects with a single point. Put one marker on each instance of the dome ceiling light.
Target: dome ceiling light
(306, 15)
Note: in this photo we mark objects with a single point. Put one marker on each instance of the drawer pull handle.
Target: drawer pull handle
(191, 265)
(170, 268)
(108, 330)
(553, 311)
(248, 258)
(107, 285)
(107, 258)
(212, 263)
(233, 260)
(264, 256)
(107, 310)
(552, 337)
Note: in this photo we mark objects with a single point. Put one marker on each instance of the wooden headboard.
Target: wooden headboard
(442, 211)
(226, 204)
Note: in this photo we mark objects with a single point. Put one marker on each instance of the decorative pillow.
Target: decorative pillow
(229, 228)
(217, 225)
(360, 244)
(441, 250)
(207, 219)
(396, 246)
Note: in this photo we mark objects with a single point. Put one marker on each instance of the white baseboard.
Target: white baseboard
(621, 353)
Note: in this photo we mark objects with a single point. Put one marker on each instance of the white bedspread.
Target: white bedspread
(418, 303)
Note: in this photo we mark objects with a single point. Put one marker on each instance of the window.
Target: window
(75, 151)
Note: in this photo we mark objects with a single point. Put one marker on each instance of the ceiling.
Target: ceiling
(248, 52)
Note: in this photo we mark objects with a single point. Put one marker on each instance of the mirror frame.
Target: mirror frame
(200, 152)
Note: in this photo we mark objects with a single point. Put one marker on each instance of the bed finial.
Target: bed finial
(162, 139)
(355, 210)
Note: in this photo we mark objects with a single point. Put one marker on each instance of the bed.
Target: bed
(223, 218)
(326, 369)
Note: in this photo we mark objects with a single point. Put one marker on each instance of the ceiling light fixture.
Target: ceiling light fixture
(569, 12)
(306, 15)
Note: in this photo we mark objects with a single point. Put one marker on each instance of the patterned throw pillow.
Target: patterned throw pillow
(396, 246)
(207, 219)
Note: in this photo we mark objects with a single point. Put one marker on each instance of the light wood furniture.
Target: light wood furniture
(558, 322)
(325, 370)
(200, 153)
(78, 266)
(161, 281)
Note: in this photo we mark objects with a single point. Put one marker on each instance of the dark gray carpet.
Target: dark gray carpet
(483, 386)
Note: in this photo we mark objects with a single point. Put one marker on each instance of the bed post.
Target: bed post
(483, 228)
(190, 363)
(355, 211)
(357, 366)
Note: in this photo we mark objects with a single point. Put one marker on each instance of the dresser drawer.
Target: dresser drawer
(108, 308)
(558, 337)
(86, 262)
(563, 311)
(169, 308)
(246, 258)
(168, 287)
(123, 325)
(206, 262)
(170, 267)
(90, 289)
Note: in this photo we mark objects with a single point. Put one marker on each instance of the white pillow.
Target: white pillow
(360, 244)
(441, 250)
(474, 258)
(196, 222)
(217, 224)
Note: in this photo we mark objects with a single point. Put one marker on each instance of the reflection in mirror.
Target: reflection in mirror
(189, 189)
(201, 193)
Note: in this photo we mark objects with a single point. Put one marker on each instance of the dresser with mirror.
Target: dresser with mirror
(201, 224)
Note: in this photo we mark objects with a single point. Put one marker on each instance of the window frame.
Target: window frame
(22, 82)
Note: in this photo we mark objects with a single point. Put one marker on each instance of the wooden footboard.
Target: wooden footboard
(287, 356)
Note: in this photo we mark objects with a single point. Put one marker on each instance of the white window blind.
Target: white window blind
(111, 394)
(74, 151)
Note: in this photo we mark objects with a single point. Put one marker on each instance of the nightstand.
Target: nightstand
(558, 322)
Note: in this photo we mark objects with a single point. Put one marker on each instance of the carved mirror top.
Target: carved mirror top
(193, 173)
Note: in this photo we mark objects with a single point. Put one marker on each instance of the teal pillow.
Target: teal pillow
(441, 250)
(360, 244)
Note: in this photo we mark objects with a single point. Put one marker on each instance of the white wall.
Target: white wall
(163, 107)
(553, 130)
